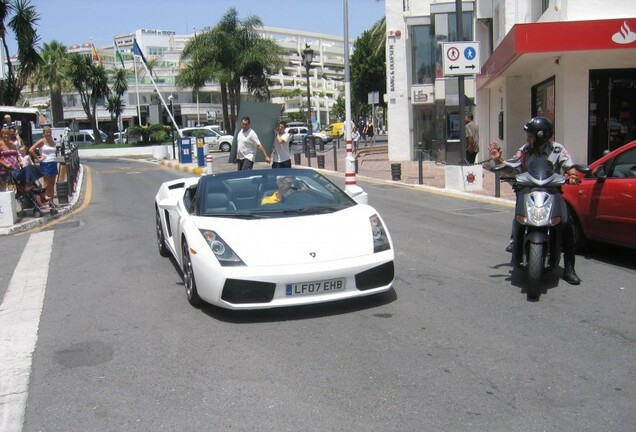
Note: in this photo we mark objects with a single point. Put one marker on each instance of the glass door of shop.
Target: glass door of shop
(612, 110)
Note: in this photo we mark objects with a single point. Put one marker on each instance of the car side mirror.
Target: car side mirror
(600, 173)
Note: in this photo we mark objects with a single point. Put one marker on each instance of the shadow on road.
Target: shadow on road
(300, 312)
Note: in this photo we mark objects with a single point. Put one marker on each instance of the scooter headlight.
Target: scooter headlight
(538, 208)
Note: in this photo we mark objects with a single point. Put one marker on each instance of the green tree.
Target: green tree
(194, 76)
(50, 75)
(150, 133)
(338, 108)
(236, 55)
(368, 66)
(22, 23)
(114, 102)
(91, 82)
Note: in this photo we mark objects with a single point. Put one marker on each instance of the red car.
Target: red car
(603, 205)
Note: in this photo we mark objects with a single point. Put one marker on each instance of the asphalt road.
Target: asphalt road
(454, 347)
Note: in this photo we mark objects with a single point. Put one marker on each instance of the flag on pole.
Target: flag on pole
(118, 55)
(137, 52)
(95, 55)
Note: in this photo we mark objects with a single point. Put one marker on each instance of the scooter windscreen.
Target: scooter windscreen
(541, 169)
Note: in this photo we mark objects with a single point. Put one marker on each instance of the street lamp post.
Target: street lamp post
(308, 56)
(174, 154)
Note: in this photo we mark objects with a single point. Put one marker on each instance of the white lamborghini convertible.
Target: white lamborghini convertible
(269, 238)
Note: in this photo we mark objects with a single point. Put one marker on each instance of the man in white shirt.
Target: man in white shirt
(281, 156)
(247, 144)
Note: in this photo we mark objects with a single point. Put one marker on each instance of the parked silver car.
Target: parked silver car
(299, 133)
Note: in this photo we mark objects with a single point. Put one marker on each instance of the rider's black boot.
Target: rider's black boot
(569, 275)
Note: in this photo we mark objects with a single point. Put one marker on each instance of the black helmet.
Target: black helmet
(541, 128)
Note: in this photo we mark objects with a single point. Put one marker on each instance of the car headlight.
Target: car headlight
(539, 208)
(222, 251)
(380, 239)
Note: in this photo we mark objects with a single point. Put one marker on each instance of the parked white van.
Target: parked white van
(84, 137)
(215, 140)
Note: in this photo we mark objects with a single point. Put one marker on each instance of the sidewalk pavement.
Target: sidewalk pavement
(376, 166)
(371, 167)
(28, 221)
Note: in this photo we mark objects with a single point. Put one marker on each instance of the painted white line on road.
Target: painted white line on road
(19, 321)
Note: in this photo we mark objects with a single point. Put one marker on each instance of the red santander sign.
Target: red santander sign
(575, 35)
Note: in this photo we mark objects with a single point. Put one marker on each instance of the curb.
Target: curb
(185, 168)
(29, 223)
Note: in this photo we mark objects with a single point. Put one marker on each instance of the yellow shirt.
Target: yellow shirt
(271, 199)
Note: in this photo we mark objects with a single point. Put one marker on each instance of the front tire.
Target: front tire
(535, 267)
(161, 239)
(188, 277)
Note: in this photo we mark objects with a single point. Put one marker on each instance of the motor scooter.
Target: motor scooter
(540, 215)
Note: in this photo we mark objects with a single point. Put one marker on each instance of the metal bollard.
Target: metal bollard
(419, 163)
(321, 161)
(396, 171)
(62, 192)
(209, 160)
(497, 184)
(335, 158)
(296, 158)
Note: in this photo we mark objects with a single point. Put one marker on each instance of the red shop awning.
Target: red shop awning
(557, 37)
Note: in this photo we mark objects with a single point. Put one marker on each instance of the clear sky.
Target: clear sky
(78, 21)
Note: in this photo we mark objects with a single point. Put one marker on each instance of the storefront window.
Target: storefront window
(423, 47)
(467, 27)
(612, 111)
(543, 100)
(424, 131)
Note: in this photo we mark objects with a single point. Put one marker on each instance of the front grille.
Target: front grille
(245, 291)
(381, 275)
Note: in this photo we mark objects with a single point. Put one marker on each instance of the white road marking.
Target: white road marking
(19, 321)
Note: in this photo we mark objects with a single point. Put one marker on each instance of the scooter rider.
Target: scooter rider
(539, 144)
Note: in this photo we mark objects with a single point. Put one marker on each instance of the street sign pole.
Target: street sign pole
(460, 88)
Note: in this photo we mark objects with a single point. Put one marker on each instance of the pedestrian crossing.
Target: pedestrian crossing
(19, 322)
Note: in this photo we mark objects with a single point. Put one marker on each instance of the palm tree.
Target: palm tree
(115, 107)
(114, 103)
(23, 25)
(50, 75)
(91, 82)
(368, 66)
(194, 75)
(120, 81)
(236, 55)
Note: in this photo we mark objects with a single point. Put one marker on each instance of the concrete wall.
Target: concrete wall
(400, 131)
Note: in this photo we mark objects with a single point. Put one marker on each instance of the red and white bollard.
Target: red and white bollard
(209, 159)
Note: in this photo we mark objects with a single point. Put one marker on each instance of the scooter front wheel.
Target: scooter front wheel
(535, 267)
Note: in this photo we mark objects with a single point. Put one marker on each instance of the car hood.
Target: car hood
(297, 240)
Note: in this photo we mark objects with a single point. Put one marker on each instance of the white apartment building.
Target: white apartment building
(163, 49)
(571, 61)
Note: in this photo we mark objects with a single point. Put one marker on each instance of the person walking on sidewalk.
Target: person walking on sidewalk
(248, 143)
(371, 131)
(472, 138)
(362, 128)
(355, 137)
(281, 156)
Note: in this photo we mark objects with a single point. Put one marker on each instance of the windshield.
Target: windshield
(269, 193)
(541, 169)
